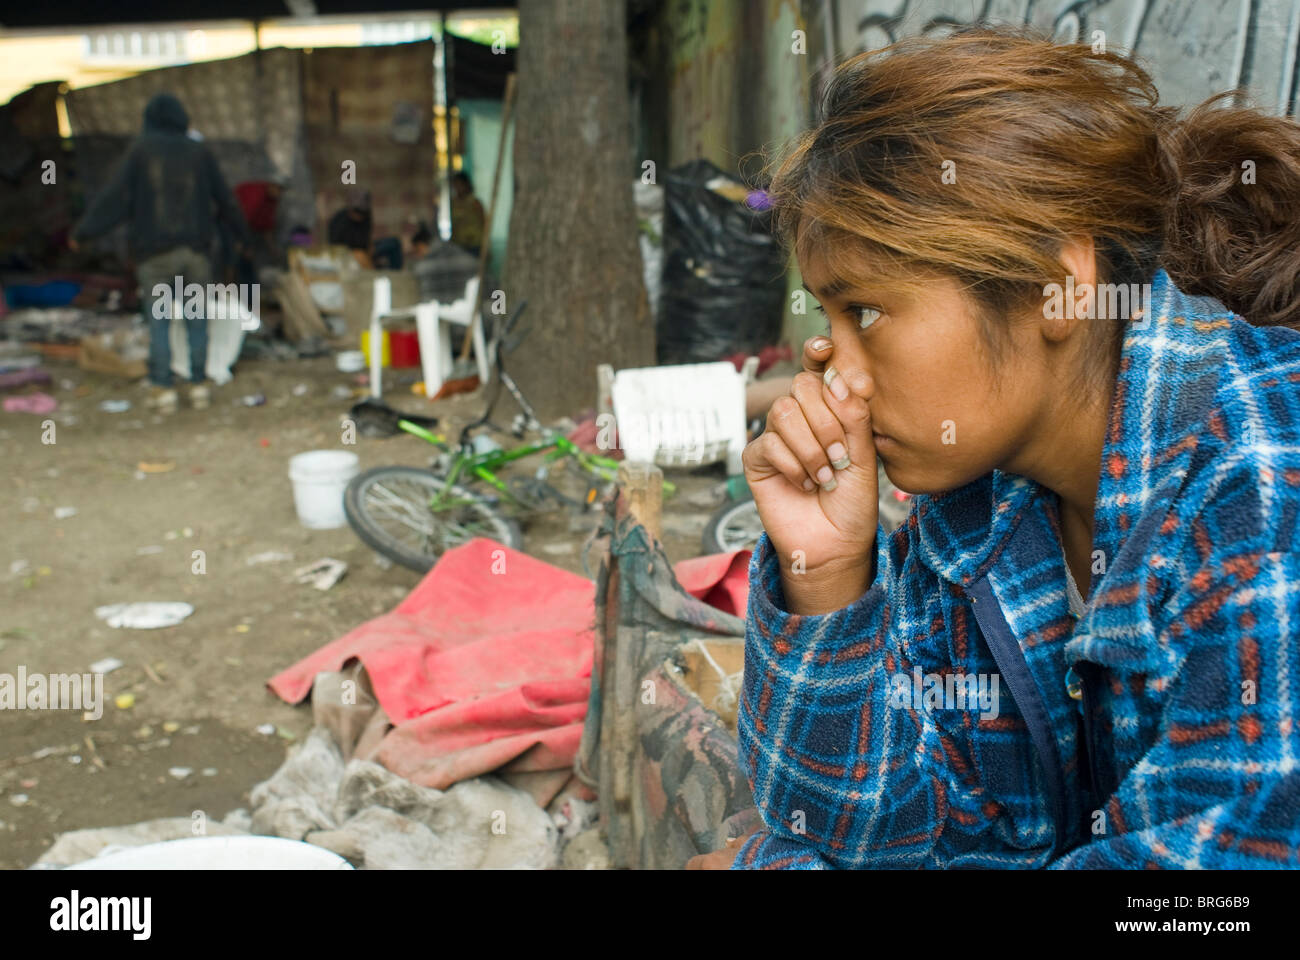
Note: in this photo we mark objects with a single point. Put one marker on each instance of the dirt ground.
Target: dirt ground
(199, 687)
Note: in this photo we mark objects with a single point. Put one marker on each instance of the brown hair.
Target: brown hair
(1048, 142)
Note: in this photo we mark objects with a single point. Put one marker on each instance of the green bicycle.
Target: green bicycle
(413, 515)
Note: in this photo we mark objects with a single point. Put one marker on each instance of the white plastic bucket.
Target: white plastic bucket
(350, 361)
(319, 479)
(218, 853)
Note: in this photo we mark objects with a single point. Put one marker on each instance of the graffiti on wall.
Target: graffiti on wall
(1192, 48)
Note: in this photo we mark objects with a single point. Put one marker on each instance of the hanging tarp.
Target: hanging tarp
(34, 212)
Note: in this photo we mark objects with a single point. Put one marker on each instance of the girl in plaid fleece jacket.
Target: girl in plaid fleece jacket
(942, 696)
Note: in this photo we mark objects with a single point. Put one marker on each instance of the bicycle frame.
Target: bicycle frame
(482, 465)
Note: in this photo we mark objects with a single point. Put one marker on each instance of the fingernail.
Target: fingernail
(833, 380)
(830, 484)
(820, 343)
(837, 455)
(808, 484)
(825, 476)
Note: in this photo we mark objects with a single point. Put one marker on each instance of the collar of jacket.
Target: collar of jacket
(1168, 374)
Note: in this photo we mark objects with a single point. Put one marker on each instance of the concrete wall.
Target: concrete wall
(1193, 48)
(734, 83)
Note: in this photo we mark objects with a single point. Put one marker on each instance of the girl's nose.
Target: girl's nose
(860, 381)
(852, 363)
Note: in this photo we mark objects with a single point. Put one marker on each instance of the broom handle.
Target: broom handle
(487, 226)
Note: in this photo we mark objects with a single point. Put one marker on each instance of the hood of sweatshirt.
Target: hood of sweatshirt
(164, 114)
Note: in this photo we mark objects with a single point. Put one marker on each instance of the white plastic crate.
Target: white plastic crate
(685, 415)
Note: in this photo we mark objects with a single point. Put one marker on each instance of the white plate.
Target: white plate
(219, 853)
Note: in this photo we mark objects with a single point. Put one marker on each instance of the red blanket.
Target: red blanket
(486, 664)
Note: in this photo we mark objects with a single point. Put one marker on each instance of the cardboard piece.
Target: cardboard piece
(122, 353)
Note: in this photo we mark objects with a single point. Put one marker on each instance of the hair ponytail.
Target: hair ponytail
(1232, 226)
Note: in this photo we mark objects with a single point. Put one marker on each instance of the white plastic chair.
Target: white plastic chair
(685, 415)
(433, 322)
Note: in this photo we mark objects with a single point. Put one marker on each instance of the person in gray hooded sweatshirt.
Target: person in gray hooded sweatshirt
(170, 191)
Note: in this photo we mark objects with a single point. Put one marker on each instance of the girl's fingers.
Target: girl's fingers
(829, 434)
(768, 456)
(816, 354)
(846, 397)
(789, 419)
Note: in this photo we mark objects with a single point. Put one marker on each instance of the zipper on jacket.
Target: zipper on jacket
(1024, 691)
(1097, 785)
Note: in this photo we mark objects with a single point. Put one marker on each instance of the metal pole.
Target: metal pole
(442, 169)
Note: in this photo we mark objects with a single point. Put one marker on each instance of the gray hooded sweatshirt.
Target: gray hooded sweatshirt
(168, 188)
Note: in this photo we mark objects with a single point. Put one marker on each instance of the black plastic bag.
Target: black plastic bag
(724, 273)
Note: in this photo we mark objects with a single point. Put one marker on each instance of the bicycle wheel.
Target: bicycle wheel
(737, 526)
(388, 507)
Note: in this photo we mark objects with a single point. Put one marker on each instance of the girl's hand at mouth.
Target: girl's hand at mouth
(813, 476)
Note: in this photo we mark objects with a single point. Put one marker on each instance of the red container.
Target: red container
(404, 348)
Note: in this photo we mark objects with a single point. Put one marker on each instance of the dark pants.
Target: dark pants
(163, 269)
(388, 253)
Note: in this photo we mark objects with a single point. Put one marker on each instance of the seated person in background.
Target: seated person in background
(421, 242)
(467, 217)
(388, 253)
(351, 226)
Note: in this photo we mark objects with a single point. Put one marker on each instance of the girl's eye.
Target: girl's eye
(866, 316)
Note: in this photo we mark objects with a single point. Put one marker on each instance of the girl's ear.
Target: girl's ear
(1071, 297)
(1078, 259)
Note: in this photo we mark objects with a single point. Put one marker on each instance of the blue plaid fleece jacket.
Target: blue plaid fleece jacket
(1193, 621)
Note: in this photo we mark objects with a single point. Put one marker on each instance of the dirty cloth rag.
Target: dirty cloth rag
(486, 665)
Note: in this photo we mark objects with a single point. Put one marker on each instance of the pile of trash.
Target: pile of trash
(61, 324)
(376, 819)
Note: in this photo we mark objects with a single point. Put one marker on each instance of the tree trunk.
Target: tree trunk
(573, 252)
